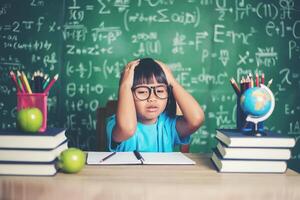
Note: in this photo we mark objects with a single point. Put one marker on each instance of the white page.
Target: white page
(120, 158)
(172, 158)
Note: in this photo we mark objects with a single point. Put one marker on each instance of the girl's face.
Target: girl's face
(150, 101)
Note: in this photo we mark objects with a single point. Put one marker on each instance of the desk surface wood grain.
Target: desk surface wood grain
(200, 181)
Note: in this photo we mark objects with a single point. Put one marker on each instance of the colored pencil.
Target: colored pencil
(235, 86)
(14, 79)
(26, 83)
(51, 83)
(269, 83)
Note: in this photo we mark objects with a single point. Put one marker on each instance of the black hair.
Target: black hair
(143, 74)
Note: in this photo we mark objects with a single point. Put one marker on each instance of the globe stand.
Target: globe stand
(256, 120)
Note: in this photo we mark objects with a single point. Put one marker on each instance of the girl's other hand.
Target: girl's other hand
(167, 71)
(128, 73)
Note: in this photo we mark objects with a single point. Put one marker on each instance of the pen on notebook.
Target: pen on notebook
(107, 157)
(138, 156)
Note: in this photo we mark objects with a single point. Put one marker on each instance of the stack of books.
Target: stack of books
(239, 151)
(31, 153)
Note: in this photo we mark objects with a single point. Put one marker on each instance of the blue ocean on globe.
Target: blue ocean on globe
(256, 101)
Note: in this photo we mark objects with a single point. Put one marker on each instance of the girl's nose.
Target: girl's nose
(152, 97)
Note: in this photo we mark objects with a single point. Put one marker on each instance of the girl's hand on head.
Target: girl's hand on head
(128, 73)
(167, 71)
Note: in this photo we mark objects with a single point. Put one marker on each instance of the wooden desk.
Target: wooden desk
(199, 181)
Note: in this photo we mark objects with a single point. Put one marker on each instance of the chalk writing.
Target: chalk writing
(204, 42)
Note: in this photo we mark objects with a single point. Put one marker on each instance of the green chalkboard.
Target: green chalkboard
(205, 43)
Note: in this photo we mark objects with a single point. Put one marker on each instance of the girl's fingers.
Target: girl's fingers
(132, 64)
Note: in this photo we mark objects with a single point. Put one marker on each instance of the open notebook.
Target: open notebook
(129, 158)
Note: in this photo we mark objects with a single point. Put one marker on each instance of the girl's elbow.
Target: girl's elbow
(124, 133)
(197, 121)
(129, 131)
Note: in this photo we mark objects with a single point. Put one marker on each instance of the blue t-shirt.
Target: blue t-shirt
(159, 137)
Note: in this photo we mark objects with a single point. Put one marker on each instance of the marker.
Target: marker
(26, 83)
(14, 79)
(235, 86)
(107, 157)
(51, 83)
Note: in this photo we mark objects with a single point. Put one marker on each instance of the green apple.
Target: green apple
(29, 119)
(71, 160)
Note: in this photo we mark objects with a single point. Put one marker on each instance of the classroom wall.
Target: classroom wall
(205, 42)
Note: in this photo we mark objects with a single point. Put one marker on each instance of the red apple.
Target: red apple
(29, 119)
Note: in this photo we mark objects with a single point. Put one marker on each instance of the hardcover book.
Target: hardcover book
(253, 153)
(237, 138)
(32, 155)
(248, 166)
(49, 139)
(28, 169)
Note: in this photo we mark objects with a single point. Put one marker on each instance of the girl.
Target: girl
(145, 119)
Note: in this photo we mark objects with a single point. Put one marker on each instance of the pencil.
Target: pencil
(269, 83)
(21, 82)
(46, 83)
(235, 86)
(248, 82)
(256, 80)
(14, 79)
(243, 85)
(51, 83)
(263, 78)
(251, 80)
(26, 83)
(107, 157)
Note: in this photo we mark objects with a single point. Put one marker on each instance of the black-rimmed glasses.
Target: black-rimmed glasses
(144, 92)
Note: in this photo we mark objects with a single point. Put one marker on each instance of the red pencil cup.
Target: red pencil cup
(38, 100)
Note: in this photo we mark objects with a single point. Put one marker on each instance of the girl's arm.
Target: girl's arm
(126, 120)
(193, 115)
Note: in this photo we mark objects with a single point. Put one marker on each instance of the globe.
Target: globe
(256, 101)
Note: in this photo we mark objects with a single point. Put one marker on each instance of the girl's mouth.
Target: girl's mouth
(152, 108)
